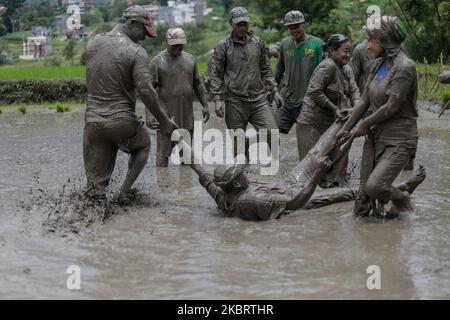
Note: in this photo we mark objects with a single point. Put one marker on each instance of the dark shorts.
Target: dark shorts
(286, 116)
(101, 141)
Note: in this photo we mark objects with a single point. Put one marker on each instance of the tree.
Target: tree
(69, 50)
(317, 13)
(10, 15)
(427, 23)
(41, 13)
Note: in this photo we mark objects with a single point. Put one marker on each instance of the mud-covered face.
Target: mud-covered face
(342, 55)
(375, 47)
(240, 29)
(240, 182)
(297, 31)
(175, 50)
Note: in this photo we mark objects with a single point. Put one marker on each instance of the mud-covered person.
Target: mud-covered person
(240, 77)
(117, 66)
(300, 54)
(331, 93)
(236, 196)
(176, 79)
(390, 127)
(361, 64)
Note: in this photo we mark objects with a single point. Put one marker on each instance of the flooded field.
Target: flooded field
(175, 244)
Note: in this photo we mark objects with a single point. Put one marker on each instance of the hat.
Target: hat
(175, 36)
(293, 17)
(239, 14)
(224, 174)
(137, 13)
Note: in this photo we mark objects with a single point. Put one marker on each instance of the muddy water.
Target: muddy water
(173, 243)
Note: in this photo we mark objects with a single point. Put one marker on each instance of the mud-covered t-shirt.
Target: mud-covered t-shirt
(176, 79)
(399, 81)
(295, 67)
(114, 64)
(361, 63)
(260, 201)
(330, 84)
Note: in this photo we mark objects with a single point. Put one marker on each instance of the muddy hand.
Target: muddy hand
(277, 99)
(220, 108)
(169, 127)
(324, 163)
(206, 114)
(342, 137)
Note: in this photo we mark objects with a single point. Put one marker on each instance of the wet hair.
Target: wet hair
(336, 41)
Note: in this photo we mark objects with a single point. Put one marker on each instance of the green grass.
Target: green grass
(22, 109)
(435, 90)
(49, 72)
(61, 108)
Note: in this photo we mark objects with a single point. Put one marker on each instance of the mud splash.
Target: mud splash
(174, 243)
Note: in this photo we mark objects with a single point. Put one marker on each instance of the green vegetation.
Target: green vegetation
(50, 72)
(427, 23)
(446, 95)
(42, 90)
(22, 109)
(62, 108)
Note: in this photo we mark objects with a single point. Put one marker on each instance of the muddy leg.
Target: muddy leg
(99, 160)
(137, 162)
(379, 185)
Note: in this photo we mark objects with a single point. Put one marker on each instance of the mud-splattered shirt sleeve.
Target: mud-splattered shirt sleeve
(154, 72)
(199, 88)
(141, 70)
(217, 69)
(207, 181)
(401, 82)
(355, 94)
(356, 64)
(279, 71)
(266, 71)
(320, 80)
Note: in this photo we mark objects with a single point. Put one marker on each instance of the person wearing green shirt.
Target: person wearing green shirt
(300, 54)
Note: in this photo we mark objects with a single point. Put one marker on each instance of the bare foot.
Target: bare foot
(414, 181)
(402, 205)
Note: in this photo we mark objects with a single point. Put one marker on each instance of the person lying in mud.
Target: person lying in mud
(235, 195)
(390, 128)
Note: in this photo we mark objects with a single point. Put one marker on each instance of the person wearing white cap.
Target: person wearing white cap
(175, 76)
(116, 67)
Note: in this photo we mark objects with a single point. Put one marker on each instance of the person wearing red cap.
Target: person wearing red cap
(117, 66)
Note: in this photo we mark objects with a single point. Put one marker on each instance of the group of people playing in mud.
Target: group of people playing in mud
(329, 99)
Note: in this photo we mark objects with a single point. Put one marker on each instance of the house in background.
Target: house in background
(178, 12)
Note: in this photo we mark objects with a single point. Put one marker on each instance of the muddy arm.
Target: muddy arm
(307, 191)
(266, 71)
(149, 96)
(279, 71)
(217, 70)
(358, 112)
(384, 113)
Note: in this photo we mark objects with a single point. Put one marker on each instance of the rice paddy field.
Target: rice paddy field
(45, 72)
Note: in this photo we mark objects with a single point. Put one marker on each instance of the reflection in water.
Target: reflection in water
(174, 243)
